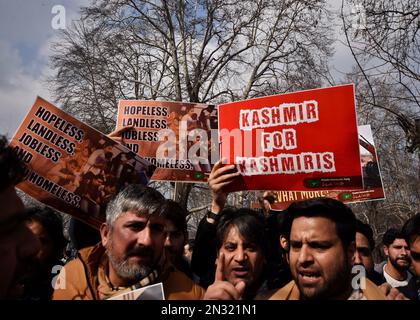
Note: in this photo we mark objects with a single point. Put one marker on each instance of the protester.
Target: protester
(363, 254)
(131, 254)
(18, 245)
(278, 271)
(47, 226)
(205, 247)
(205, 252)
(242, 251)
(396, 269)
(321, 236)
(82, 235)
(411, 231)
(266, 200)
(177, 236)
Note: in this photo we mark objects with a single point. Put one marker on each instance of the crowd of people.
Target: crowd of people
(315, 250)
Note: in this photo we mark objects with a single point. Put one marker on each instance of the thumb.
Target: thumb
(120, 131)
(240, 287)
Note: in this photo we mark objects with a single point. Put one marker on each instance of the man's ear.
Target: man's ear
(283, 242)
(351, 250)
(104, 229)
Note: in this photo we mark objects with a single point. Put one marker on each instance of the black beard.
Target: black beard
(336, 288)
(398, 267)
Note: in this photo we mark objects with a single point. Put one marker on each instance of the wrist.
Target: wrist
(212, 217)
(217, 206)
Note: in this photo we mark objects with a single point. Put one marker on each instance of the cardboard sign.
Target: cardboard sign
(179, 138)
(71, 166)
(302, 141)
(152, 292)
(373, 187)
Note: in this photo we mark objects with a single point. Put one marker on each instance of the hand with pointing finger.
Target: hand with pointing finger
(222, 289)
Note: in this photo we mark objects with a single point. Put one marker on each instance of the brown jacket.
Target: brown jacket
(81, 279)
(291, 292)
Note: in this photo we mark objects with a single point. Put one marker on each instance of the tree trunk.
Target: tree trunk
(181, 192)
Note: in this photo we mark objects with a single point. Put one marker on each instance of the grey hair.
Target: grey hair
(137, 198)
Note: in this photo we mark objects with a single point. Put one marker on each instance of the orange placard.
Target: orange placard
(71, 166)
(179, 138)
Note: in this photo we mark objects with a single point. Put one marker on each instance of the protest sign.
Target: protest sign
(71, 166)
(177, 137)
(303, 141)
(373, 188)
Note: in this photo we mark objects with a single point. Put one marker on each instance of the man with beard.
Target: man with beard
(321, 235)
(395, 270)
(241, 258)
(131, 254)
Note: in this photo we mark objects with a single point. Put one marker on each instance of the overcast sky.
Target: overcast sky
(25, 37)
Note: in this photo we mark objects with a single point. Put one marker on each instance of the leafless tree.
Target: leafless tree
(384, 39)
(208, 51)
(398, 167)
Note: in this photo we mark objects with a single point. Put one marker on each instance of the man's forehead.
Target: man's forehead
(314, 229)
(399, 242)
(319, 226)
(361, 240)
(170, 226)
(233, 235)
(139, 216)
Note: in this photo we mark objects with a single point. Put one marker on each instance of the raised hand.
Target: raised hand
(220, 177)
(222, 289)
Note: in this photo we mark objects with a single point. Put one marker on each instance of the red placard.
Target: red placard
(302, 141)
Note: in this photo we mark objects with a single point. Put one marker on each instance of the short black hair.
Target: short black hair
(249, 224)
(390, 236)
(367, 231)
(12, 169)
(334, 210)
(411, 229)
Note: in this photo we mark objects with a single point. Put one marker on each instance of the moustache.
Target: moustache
(140, 251)
(403, 258)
